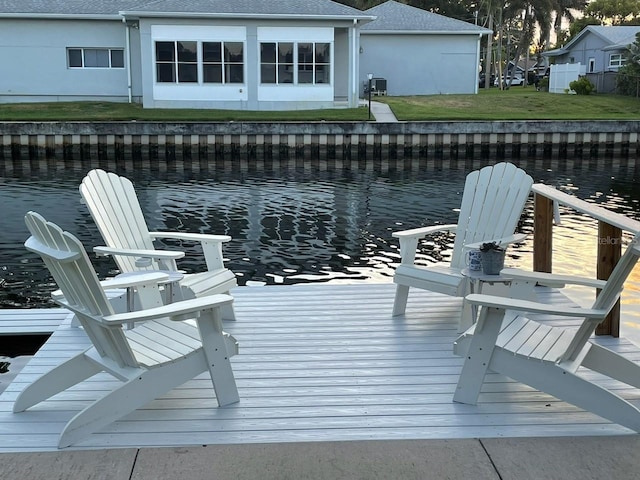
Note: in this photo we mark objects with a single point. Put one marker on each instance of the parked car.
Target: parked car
(492, 80)
(518, 79)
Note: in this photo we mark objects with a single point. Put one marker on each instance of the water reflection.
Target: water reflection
(302, 226)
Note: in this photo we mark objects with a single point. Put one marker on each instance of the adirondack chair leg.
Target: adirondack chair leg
(603, 360)
(131, 395)
(400, 302)
(228, 313)
(468, 313)
(63, 376)
(478, 356)
(218, 357)
(569, 387)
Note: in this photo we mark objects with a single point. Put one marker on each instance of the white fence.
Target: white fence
(562, 75)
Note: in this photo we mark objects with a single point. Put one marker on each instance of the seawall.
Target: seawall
(209, 144)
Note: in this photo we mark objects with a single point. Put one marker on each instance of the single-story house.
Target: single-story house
(233, 54)
(597, 48)
(419, 52)
(227, 54)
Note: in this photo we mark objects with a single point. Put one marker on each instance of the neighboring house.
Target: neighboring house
(230, 54)
(598, 49)
(419, 52)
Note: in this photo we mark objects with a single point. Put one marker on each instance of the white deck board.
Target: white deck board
(317, 363)
(31, 321)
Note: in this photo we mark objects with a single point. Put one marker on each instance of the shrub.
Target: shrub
(543, 85)
(582, 86)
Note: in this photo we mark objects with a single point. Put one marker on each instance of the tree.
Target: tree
(628, 78)
(614, 12)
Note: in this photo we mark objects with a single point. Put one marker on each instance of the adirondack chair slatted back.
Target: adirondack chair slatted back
(114, 206)
(606, 298)
(492, 203)
(66, 259)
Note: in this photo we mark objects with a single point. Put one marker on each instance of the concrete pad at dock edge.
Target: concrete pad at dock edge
(566, 458)
(366, 460)
(68, 465)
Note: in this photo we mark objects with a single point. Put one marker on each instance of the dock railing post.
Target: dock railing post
(609, 252)
(542, 233)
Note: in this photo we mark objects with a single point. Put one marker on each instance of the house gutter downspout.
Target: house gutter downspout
(355, 94)
(477, 62)
(128, 50)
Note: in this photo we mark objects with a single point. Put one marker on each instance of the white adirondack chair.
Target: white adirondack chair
(162, 352)
(114, 206)
(505, 340)
(492, 203)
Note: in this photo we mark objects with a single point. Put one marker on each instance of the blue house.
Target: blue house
(597, 48)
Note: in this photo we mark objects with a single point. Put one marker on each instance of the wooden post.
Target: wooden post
(609, 252)
(542, 233)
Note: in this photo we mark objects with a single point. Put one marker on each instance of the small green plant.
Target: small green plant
(486, 247)
(582, 86)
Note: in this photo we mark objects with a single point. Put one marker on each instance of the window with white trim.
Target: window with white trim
(299, 63)
(617, 60)
(182, 62)
(177, 62)
(222, 62)
(95, 57)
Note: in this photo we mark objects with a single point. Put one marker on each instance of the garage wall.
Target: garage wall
(421, 64)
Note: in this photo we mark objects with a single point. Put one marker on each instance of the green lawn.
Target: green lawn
(517, 103)
(106, 111)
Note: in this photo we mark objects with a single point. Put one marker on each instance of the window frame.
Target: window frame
(621, 60)
(310, 63)
(83, 58)
(225, 64)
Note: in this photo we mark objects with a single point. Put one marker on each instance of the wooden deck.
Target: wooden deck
(317, 363)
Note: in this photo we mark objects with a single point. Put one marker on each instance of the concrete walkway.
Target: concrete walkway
(565, 458)
(380, 112)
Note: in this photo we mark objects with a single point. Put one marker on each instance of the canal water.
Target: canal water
(307, 225)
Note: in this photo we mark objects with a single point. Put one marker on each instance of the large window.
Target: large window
(95, 57)
(176, 62)
(617, 60)
(179, 62)
(222, 62)
(277, 62)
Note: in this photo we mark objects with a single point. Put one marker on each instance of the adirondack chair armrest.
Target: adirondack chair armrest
(211, 245)
(533, 307)
(515, 238)
(140, 278)
(416, 233)
(178, 311)
(195, 237)
(152, 254)
(551, 279)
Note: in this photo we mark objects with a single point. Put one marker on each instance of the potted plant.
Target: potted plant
(492, 258)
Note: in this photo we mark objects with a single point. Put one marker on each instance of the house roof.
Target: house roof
(113, 8)
(395, 17)
(616, 38)
(28, 8)
(251, 7)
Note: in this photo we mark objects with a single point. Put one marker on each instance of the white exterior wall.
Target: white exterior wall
(251, 95)
(188, 92)
(33, 55)
(421, 64)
